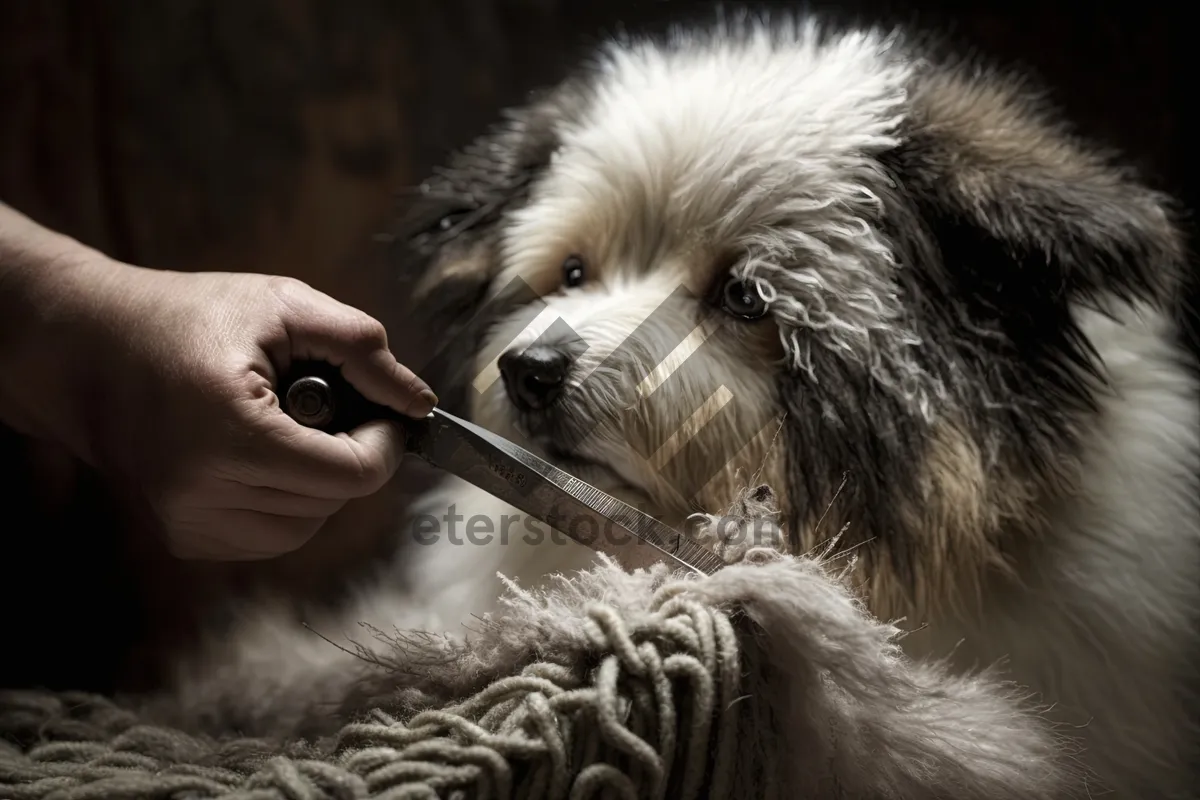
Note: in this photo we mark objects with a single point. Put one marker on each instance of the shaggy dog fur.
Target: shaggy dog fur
(848, 715)
(888, 283)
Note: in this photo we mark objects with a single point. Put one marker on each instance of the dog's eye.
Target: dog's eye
(572, 272)
(743, 299)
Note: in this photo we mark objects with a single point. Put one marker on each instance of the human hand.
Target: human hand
(180, 371)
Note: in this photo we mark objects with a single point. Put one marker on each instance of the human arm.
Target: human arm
(164, 381)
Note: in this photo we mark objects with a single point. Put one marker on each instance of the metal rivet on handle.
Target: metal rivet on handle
(309, 401)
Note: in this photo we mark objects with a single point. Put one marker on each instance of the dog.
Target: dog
(889, 284)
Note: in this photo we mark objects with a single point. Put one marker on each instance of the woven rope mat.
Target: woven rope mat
(655, 715)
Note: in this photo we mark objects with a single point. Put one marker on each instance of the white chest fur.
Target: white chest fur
(1103, 628)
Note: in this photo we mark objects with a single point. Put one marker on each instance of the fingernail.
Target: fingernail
(429, 397)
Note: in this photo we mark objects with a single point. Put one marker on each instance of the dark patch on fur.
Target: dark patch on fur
(844, 425)
(994, 253)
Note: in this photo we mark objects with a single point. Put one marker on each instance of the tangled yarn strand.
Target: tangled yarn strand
(551, 732)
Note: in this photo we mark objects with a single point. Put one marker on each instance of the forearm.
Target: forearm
(32, 259)
(42, 276)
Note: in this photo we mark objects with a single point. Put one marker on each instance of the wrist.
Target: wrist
(49, 292)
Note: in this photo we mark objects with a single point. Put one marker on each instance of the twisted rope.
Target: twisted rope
(653, 716)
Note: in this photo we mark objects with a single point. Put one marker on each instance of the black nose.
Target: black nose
(534, 377)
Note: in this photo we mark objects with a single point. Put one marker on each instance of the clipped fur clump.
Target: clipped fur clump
(752, 521)
(824, 704)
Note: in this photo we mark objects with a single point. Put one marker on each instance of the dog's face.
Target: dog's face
(807, 259)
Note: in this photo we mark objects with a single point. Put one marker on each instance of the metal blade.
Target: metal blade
(318, 396)
(537, 487)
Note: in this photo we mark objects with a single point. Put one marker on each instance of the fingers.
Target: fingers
(259, 484)
(309, 462)
(243, 536)
(276, 502)
(321, 328)
(383, 380)
(246, 523)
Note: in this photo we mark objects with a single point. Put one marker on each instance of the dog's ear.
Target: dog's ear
(1011, 225)
(1019, 209)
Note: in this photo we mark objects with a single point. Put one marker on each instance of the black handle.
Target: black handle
(316, 395)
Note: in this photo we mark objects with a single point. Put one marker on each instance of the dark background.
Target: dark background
(274, 136)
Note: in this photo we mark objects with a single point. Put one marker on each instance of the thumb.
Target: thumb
(322, 329)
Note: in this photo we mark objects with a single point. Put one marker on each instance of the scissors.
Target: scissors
(316, 395)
